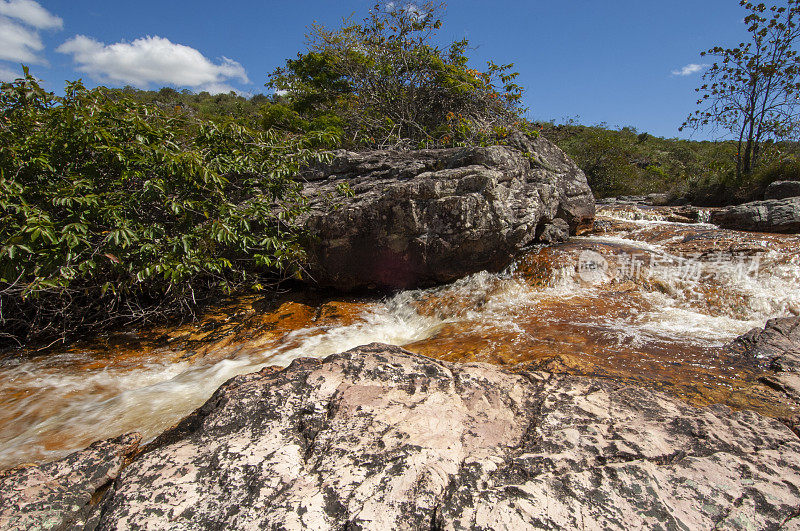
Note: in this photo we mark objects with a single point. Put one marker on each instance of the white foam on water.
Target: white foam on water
(751, 291)
(653, 217)
(393, 323)
(51, 400)
(103, 403)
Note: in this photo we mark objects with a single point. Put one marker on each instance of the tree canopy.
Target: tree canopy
(384, 81)
(752, 89)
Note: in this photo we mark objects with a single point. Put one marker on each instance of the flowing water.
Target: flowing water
(640, 298)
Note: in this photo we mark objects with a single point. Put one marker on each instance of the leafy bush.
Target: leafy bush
(390, 85)
(113, 210)
(787, 169)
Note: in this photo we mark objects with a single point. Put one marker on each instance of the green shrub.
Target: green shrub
(220, 108)
(787, 169)
(390, 85)
(111, 210)
(279, 116)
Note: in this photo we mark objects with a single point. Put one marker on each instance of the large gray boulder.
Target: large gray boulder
(782, 190)
(379, 438)
(773, 215)
(777, 344)
(419, 218)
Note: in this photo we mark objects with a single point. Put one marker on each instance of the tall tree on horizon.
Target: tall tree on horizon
(753, 89)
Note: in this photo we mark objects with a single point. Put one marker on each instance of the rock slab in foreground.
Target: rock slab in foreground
(59, 495)
(419, 218)
(379, 438)
(773, 215)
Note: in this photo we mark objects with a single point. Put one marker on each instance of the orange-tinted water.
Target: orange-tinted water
(643, 300)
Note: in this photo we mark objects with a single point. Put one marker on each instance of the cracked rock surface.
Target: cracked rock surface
(379, 438)
(418, 218)
(61, 494)
(770, 215)
(782, 190)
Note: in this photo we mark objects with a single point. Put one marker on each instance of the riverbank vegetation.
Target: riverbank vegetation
(626, 162)
(125, 205)
(115, 211)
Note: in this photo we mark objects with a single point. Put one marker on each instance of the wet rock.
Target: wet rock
(777, 346)
(60, 495)
(624, 200)
(658, 199)
(782, 190)
(773, 215)
(424, 217)
(379, 438)
(677, 218)
(555, 232)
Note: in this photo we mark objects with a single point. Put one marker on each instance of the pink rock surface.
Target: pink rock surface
(379, 438)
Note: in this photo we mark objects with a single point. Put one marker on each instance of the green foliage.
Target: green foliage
(784, 168)
(114, 210)
(622, 162)
(787, 169)
(220, 108)
(277, 116)
(387, 83)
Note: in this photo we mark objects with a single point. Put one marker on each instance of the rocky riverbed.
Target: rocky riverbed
(380, 438)
(615, 389)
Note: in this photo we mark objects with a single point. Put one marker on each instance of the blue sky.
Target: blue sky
(612, 62)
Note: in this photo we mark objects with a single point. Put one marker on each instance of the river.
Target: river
(643, 297)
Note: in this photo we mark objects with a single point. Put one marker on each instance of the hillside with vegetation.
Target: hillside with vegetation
(617, 162)
(626, 162)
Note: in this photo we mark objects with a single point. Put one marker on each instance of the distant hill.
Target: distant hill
(626, 162)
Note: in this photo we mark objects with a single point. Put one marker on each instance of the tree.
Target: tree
(387, 82)
(115, 211)
(752, 89)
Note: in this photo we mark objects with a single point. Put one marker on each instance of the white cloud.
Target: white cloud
(31, 13)
(216, 88)
(688, 70)
(414, 12)
(8, 75)
(18, 43)
(150, 60)
(19, 38)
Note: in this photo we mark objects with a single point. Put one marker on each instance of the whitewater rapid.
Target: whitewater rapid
(644, 319)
